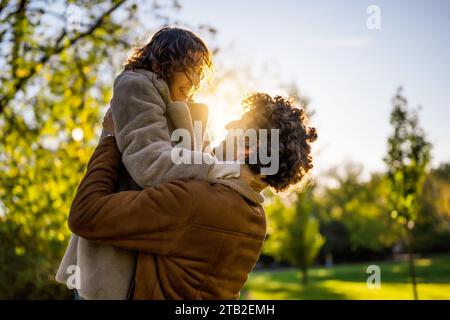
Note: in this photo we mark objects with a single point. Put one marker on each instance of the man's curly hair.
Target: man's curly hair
(295, 160)
(170, 50)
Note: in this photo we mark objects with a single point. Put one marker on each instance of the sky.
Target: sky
(349, 72)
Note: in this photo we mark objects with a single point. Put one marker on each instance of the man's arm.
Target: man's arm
(150, 220)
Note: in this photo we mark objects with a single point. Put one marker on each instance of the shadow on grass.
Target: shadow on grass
(264, 288)
(435, 270)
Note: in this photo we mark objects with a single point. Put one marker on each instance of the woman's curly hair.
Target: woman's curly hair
(170, 50)
(295, 160)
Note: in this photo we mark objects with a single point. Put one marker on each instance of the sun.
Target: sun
(224, 104)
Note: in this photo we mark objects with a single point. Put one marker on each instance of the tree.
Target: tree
(407, 159)
(294, 235)
(56, 78)
(307, 239)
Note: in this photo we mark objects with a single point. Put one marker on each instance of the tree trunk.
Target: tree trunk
(412, 269)
(305, 276)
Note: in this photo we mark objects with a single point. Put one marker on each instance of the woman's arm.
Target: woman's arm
(150, 220)
(142, 132)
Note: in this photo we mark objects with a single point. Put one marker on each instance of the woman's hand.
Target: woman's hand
(108, 123)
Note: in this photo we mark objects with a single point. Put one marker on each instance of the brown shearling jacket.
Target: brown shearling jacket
(196, 239)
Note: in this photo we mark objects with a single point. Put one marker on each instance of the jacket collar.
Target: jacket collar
(159, 84)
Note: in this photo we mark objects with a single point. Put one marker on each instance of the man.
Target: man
(196, 239)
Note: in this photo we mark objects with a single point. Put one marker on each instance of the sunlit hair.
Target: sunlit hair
(295, 137)
(173, 50)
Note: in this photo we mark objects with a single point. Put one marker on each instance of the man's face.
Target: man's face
(236, 144)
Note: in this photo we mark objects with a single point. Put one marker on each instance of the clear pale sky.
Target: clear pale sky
(349, 72)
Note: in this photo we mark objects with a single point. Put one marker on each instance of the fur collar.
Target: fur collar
(241, 187)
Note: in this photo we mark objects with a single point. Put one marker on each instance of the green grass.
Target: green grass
(349, 282)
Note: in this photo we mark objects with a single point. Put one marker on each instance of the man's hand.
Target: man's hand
(108, 123)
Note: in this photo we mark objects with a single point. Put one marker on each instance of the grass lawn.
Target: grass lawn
(348, 281)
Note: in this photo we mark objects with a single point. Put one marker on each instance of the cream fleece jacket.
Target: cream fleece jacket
(144, 117)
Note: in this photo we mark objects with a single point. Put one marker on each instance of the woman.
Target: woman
(196, 239)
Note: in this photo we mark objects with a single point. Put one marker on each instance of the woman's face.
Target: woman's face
(183, 83)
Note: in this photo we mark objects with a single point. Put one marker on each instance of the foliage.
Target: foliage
(354, 217)
(55, 81)
(432, 227)
(353, 213)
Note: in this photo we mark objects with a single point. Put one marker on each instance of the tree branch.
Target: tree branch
(3, 5)
(17, 33)
(58, 48)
